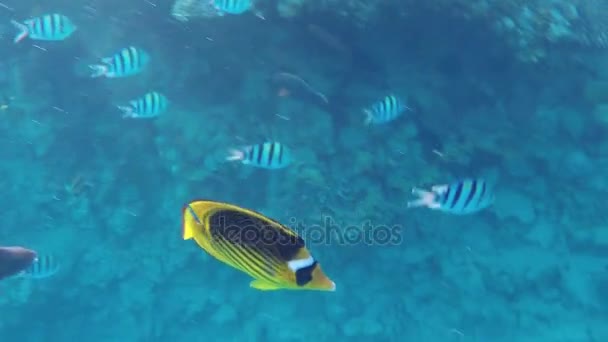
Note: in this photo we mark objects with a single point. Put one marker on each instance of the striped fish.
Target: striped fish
(47, 27)
(462, 197)
(127, 62)
(150, 105)
(267, 155)
(233, 6)
(184, 10)
(385, 111)
(44, 266)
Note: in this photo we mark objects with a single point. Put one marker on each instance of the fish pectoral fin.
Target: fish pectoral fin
(263, 285)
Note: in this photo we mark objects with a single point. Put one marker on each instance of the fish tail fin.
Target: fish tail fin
(187, 231)
(439, 189)
(322, 97)
(98, 70)
(127, 111)
(259, 14)
(369, 116)
(235, 154)
(23, 31)
(425, 199)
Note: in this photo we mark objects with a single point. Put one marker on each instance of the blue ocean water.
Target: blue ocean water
(516, 94)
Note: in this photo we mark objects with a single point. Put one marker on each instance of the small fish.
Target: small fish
(127, 62)
(44, 266)
(462, 197)
(184, 10)
(293, 85)
(150, 105)
(385, 111)
(5, 103)
(47, 27)
(233, 6)
(275, 256)
(14, 260)
(267, 155)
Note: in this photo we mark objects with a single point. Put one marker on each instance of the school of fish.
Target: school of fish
(268, 251)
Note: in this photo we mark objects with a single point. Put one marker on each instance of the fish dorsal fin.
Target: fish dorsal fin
(263, 285)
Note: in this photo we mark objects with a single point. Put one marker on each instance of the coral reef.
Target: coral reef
(531, 27)
(105, 194)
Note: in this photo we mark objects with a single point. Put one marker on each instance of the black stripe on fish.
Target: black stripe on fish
(230, 252)
(245, 261)
(44, 265)
(482, 193)
(253, 153)
(265, 236)
(267, 264)
(446, 196)
(193, 213)
(456, 195)
(119, 62)
(280, 154)
(221, 245)
(262, 264)
(271, 154)
(260, 149)
(472, 193)
(304, 274)
(263, 160)
(155, 103)
(392, 105)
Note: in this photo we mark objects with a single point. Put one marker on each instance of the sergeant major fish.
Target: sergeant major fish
(293, 85)
(44, 266)
(272, 254)
(267, 155)
(51, 27)
(184, 10)
(150, 105)
(233, 6)
(127, 62)
(462, 197)
(386, 110)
